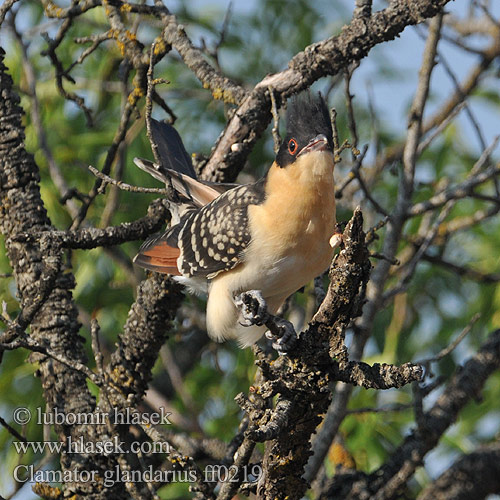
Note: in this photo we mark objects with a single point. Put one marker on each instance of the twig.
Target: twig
(484, 197)
(96, 348)
(124, 186)
(351, 120)
(149, 104)
(447, 350)
(335, 130)
(50, 52)
(485, 156)
(353, 173)
(12, 431)
(214, 52)
(460, 190)
(176, 378)
(455, 40)
(241, 457)
(468, 110)
(371, 235)
(55, 172)
(4, 9)
(276, 122)
(31, 344)
(439, 129)
(466, 272)
(374, 121)
(393, 262)
(169, 191)
(381, 409)
(113, 199)
(465, 222)
(409, 269)
(416, 114)
(363, 186)
(236, 441)
(96, 42)
(110, 157)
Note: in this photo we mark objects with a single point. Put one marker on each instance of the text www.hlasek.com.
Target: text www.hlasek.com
(109, 447)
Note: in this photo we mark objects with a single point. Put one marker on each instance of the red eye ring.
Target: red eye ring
(292, 146)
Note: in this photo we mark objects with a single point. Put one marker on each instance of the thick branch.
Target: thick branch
(131, 363)
(93, 237)
(54, 322)
(378, 376)
(302, 377)
(475, 475)
(466, 384)
(327, 57)
(222, 87)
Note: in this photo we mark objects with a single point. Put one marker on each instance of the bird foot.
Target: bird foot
(253, 308)
(283, 336)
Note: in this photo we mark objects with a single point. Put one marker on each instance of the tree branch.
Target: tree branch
(327, 57)
(385, 482)
(475, 475)
(54, 323)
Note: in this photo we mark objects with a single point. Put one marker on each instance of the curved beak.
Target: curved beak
(318, 143)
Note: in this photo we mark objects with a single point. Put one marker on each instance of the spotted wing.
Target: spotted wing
(213, 238)
(205, 241)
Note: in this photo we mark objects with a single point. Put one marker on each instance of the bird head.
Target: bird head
(308, 129)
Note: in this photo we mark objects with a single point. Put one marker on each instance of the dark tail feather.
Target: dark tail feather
(171, 150)
(190, 190)
(158, 265)
(152, 169)
(157, 255)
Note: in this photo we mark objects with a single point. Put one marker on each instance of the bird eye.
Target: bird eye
(292, 146)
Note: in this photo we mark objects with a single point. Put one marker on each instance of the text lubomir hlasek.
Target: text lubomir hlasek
(128, 416)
